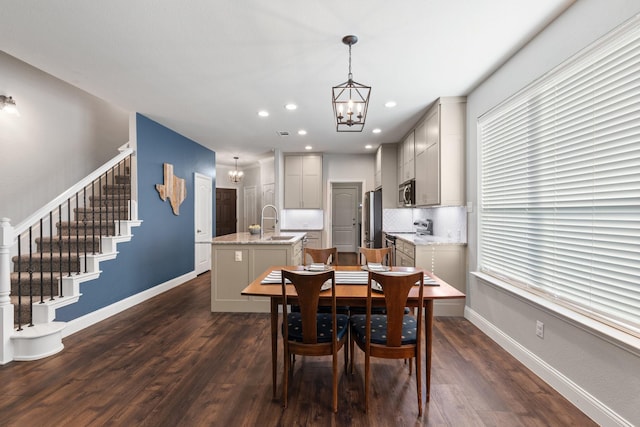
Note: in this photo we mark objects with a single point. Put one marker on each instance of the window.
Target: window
(560, 183)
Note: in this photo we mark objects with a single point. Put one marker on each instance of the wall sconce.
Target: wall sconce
(8, 105)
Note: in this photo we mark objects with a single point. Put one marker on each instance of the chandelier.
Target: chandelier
(350, 99)
(235, 176)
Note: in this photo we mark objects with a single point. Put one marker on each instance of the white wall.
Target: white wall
(600, 376)
(62, 135)
(350, 167)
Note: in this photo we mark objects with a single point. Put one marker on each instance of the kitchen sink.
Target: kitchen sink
(280, 238)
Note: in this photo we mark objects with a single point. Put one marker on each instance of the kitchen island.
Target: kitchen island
(237, 259)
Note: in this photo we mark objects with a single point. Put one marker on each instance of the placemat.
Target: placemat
(343, 278)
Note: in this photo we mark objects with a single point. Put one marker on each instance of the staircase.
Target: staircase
(62, 249)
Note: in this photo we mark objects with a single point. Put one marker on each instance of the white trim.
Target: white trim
(92, 318)
(587, 403)
(607, 333)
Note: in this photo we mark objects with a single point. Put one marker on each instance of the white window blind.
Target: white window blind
(560, 183)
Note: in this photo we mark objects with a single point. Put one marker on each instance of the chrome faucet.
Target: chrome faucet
(262, 218)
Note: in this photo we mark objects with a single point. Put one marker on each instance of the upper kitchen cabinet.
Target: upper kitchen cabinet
(303, 181)
(385, 174)
(440, 172)
(408, 158)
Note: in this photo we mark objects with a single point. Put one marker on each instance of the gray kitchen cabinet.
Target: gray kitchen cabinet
(447, 261)
(303, 181)
(385, 174)
(440, 162)
(405, 254)
(408, 158)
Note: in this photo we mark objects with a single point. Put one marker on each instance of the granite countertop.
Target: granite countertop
(247, 238)
(425, 240)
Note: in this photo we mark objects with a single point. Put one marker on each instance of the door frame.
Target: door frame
(328, 218)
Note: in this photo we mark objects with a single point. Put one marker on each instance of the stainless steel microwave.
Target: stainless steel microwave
(407, 194)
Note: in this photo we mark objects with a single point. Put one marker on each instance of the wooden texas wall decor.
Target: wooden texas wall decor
(174, 188)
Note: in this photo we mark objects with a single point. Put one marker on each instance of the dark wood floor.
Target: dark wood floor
(170, 361)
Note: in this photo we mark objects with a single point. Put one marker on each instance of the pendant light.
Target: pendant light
(235, 176)
(350, 99)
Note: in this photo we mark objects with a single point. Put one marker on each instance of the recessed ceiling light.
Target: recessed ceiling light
(308, 147)
(390, 104)
(368, 146)
(376, 130)
(302, 132)
(291, 107)
(263, 113)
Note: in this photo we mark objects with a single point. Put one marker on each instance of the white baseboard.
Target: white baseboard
(587, 403)
(87, 320)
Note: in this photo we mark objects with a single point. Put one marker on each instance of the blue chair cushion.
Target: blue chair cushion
(379, 328)
(324, 329)
(374, 310)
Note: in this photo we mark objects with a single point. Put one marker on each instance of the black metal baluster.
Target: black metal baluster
(41, 264)
(100, 209)
(121, 193)
(30, 276)
(93, 215)
(19, 283)
(112, 203)
(84, 226)
(77, 237)
(69, 234)
(130, 214)
(51, 255)
(60, 248)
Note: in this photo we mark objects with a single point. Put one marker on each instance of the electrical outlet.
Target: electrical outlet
(539, 329)
(238, 255)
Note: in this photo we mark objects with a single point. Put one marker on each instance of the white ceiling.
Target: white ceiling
(204, 68)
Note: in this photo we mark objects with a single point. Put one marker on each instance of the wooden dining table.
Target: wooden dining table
(350, 292)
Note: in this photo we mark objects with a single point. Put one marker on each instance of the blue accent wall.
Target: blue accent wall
(162, 248)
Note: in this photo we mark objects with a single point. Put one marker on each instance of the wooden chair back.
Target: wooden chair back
(395, 288)
(382, 256)
(321, 255)
(308, 287)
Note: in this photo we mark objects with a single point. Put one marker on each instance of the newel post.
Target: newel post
(6, 308)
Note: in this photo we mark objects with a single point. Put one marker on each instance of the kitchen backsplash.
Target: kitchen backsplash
(302, 219)
(448, 222)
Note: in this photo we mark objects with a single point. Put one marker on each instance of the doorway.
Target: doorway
(345, 217)
(226, 215)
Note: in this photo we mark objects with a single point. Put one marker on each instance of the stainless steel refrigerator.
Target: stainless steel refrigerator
(372, 219)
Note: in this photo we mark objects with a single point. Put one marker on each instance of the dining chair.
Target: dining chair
(382, 256)
(321, 255)
(308, 332)
(394, 335)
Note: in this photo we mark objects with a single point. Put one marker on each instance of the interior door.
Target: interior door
(203, 221)
(226, 216)
(250, 207)
(344, 217)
